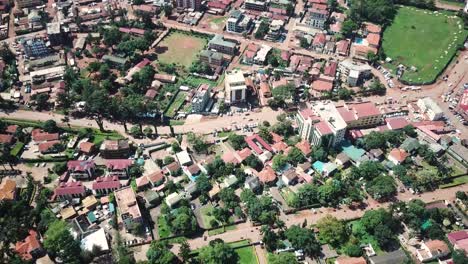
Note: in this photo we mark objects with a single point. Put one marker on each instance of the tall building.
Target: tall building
(430, 108)
(361, 115)
(316, 18)
(238, 22)
(201, 98)
(219, 44)
(128, 207)
(28, 3)
(235, 87)
(255, 5)
(189, 4)
(321, 125)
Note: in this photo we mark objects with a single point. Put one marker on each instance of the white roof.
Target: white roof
(97, 238)
(172, 199)
(183, 157)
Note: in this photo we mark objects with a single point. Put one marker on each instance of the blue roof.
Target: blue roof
(318, 166)
(111, 207)
(353, 152)
(91, 217)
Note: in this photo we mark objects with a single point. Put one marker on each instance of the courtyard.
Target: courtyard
(424, 40)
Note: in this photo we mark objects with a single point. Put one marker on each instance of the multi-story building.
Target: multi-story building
(211, 58)
(360, 115)
(238, 22)
(118, 167)
(128, 207)
(112, 149)
(321, 125)
(81, 169)
(354, 71)
(219, 44)
(276, 28)
(189, 4)
(235, 87)
(201, 98)
(105, 185)
(255, 5)
(28, 3)
(316, 18)
(430, 108)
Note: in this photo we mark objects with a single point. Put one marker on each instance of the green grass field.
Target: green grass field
(246, 253)
(176, 104)
(180, 48)
(207, 215)
(163, 228)
(453, 3)
(423, 39)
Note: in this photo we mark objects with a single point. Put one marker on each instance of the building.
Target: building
(255, 5)
(322, 124)
(95, 239)
(8, 190)
(397, 156)
(235, 87)
(201, 98)
(360, 115)
(252, 183)
(28, 3)
(105, 185)
(350, 260)
(257, 144)
(316, 18)
(354, 71)
(211, 58)
(219, 44)
(188, 4)
(81, 169)
(70, 190)
(238, 22)
(430, 108)
(112, 149)
(119, 167)
(30, 248)
(459, 240)
(462, 107)
(128, 207)
(431, 250)
(275, 30)
(394, 257)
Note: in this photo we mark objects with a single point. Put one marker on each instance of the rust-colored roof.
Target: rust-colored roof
(267, 175)
(29, 244)
(86, 147)
(7, 190)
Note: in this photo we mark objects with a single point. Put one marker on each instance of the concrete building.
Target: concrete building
(189, 4)
(235, 87)
(322, 124)
(219, 44)
(238, 22)
(128, 207)
(316, 18)
(359, 115)
(201, 98)
(28, 3)
(354, 71)
(276, 28)
(211, 58)
(430, 108)
(255, 5)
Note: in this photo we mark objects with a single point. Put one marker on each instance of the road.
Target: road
(447, 6)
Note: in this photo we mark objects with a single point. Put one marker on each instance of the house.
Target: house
(142, 183)
(95, 239)
(173, 199)
(304, 147)
(191, 188)
(192, 171)
(397, 156)
(318, 44)
(289, 177)
(459, 240)
(229, 181)
(114, 149)
(118, 167)
(267, 175)
(257, 144)
(183, 158)
(156, 178)
(342, 159)
(350, 260)
(30, 248)
(394, 257)
(39, 136)
(342, 47)
(90, 202)
(172, 169)
(165, 78)
(219, 44)
(6, 139)
(128, 207)
(376, 154)
(87, 148)
(252, 183)
(53, 146)
(70, 190)
(7, 190)
(105, 185)
(410, 145)
(81, 169)
(325, 169)
(431, 250)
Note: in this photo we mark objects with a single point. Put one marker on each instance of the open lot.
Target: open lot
(176, 104)
(180, 48)
(424, 39)
(213, 22)
(246, 253)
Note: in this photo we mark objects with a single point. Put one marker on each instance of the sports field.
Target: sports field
(180, 48)
(424, 39)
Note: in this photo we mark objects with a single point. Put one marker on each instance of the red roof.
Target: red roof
(80, 165)
(156, 176)
(6, 139)
(118, 164)
(285, 55)
(151, 93)
(330, 69)
(45, 146)
(365, 109)
(322, 86)
(342, 46)
(86, 147)
(267, 175)
(280, 11)
(217, 4)
(373, 28)
(398, 154)
(143, 63)
(11, 129)
(70, 188)
(323, 128)
(464, 101)
(244, 153)
(39, 136)
(230, 157)
(28, 245)
(276, 137)
(373, 39)
(396, 122)
(304, 146)
(279, 146)
(319, 39)
(456, 236)
(252, 142)
(103, 183)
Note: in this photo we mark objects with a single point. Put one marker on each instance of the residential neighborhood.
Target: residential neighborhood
(234, 131)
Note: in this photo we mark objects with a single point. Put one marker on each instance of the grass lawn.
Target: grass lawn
(456, 182)
(221, 230)
(99, 137)
(422, 39)
(207, 216)
(175, 105)
(180, 48)
(163, 227)
(288, 195)
(16, 149)
(176, 122)
(194, 81)
(246, 253)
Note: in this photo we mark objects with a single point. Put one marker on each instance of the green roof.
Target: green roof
(114, 59)
(426, 224)
(91, 217)
(219, 40)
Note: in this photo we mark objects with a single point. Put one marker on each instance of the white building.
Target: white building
(355, 71)
(201, 98)
(430, 108)
(235, 87)
(262, 54)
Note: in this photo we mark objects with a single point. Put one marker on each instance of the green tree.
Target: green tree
(295, 156)
(253, 162)
(203, 184)
(218, 252)
(348, 28)
(282, 258)
(229, 198)
(270, 238)
(459, 257)
(332, 231)
(184, 252)
(159, 253)
(50, 126)
(303, 238)
(279, 161)
(97, 107)
(237, 141)
(41, 100)
(382, 187)
(59, 241)
(198, 142)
